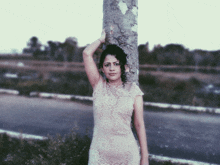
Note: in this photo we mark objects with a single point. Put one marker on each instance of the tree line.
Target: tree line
(170, 54)
(176, 54)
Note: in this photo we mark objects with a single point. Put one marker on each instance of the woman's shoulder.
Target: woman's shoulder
(130, 85)
(133, 88)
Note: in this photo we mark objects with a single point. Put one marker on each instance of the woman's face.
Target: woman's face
(111, 68)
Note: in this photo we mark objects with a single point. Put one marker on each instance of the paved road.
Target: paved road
(175, 134)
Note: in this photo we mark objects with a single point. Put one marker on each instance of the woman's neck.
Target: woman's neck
(115, 83)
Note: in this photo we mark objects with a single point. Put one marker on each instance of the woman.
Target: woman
(114, 101)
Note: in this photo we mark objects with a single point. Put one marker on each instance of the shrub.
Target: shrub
(70, 149)
(171, 90)
(148, 79)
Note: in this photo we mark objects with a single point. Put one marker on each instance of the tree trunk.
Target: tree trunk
(120, 24)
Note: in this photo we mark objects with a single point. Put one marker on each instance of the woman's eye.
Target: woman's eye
(116, 64)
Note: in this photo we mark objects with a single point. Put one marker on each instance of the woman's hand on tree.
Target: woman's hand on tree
(103, 36)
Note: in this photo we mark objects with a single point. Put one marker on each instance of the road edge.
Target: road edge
(89, 98)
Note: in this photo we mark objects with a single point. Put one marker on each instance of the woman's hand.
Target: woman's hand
(103, 36)
(144, 162)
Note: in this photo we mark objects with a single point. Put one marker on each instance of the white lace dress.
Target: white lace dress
(113, 142)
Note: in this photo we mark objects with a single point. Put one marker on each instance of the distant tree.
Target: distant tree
(174, 48)
(208, 59)
(34, 43)
(64, 51)
(145, 56)
(169, 55)
(34, 46)
(69, 48)
(78, 56)
(52, 49)
(204, 58)
(158, 52)
(174, 54)
(216, 55)
(189, 57)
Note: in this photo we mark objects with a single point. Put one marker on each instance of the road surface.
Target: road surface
(176, 134)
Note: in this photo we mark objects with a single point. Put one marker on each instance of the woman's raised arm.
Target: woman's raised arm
(90, 66)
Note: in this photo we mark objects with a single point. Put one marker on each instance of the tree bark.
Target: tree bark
(120, 24)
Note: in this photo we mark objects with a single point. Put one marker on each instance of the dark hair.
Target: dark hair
(119, 55)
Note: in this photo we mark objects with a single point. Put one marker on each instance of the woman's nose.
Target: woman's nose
(112, 67)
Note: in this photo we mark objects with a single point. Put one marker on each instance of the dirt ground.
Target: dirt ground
(206, 78)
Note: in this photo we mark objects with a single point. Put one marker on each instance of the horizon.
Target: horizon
(150, 50)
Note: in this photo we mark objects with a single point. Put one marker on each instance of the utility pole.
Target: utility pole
(120, 24)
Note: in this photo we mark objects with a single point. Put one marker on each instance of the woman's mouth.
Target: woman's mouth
(112, 74)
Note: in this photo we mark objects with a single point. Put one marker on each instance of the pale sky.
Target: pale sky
(192, 23)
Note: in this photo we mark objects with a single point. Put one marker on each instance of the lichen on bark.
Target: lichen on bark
(120, 23)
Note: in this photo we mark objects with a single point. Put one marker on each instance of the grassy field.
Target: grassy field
(169, 84)
(202, 77)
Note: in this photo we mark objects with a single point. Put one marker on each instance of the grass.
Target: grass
(168, 91)
(67, 83)
(71, 149)
(156, 88)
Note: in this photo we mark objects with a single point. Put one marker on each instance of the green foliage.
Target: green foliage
(16, 57)
(170, 54)
(25, 87)
(176, 54)
(145, 57)
(167, 90)
(148, 79)
(156, 89)
(71, 83)
(67, 83)
(70, 149)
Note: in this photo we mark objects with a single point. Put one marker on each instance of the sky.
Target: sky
(192, 23)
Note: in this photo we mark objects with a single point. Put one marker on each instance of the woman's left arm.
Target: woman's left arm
(140, 128)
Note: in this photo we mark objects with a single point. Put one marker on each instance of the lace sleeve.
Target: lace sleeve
(136, 91)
